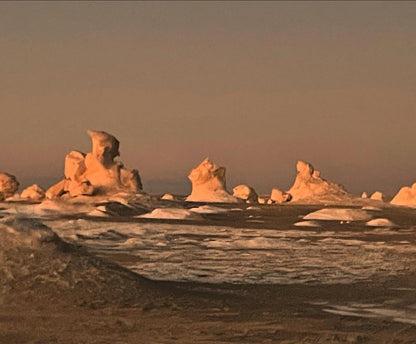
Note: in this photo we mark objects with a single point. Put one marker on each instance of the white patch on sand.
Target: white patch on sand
(406, 315)
(338, 214)
(371, 208)
(208, 209)
(171, 213)
(99, 211)
(307, 224)
(380, 222)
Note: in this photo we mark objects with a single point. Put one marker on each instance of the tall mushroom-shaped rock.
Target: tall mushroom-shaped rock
(208, 184)
(96, 172)
(310, 186)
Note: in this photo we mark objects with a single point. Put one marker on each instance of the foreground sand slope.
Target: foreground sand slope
(54, 292)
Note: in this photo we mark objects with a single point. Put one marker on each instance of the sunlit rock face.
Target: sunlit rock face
(33, 193)
(208, 184)
(246, 193)
(406, 196)
(8, 185)
(378, 196)
(278, 196)
(262, 200)
(74, 165)
(170, 197)
(310, 186)
(96, 173)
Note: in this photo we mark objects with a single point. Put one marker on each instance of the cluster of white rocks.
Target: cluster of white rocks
(98, 173)
(208, 185)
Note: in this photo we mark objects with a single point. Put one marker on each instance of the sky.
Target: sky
(255, 86)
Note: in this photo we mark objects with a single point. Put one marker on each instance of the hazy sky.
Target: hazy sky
(256, 86)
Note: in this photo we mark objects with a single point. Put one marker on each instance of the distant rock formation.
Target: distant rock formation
(246, 193)
(262, 200)
(33, 193)
(364, 195)
(378, 196)
(8, 185)
(168, 197)
(96, 173)
(208, 184)
(406, 196)
(310, 186)
(278, 196)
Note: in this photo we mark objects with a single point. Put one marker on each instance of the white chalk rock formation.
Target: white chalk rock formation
(262, 200)
(33, 193)
(168, 197)
(364, 195)
(406, 196)
(246, 193)
(8, 185)
(378, 196)
(208, 184)
(278, 196)
(310, 186)
(96, 172)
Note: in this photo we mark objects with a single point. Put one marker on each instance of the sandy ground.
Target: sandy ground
(204, 315)
(39, 311)
(53, 292)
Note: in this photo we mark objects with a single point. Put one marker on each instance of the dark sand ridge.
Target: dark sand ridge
(54, 292)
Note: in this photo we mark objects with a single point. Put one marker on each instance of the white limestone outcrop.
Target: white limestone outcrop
(96, 173)
(8, 185)
(208, 184)
(278, 196)
(309, 186)
(168, 197)
(378, 196)
(406, 196)
(262, 200)
(246, 193)
(33, 193)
